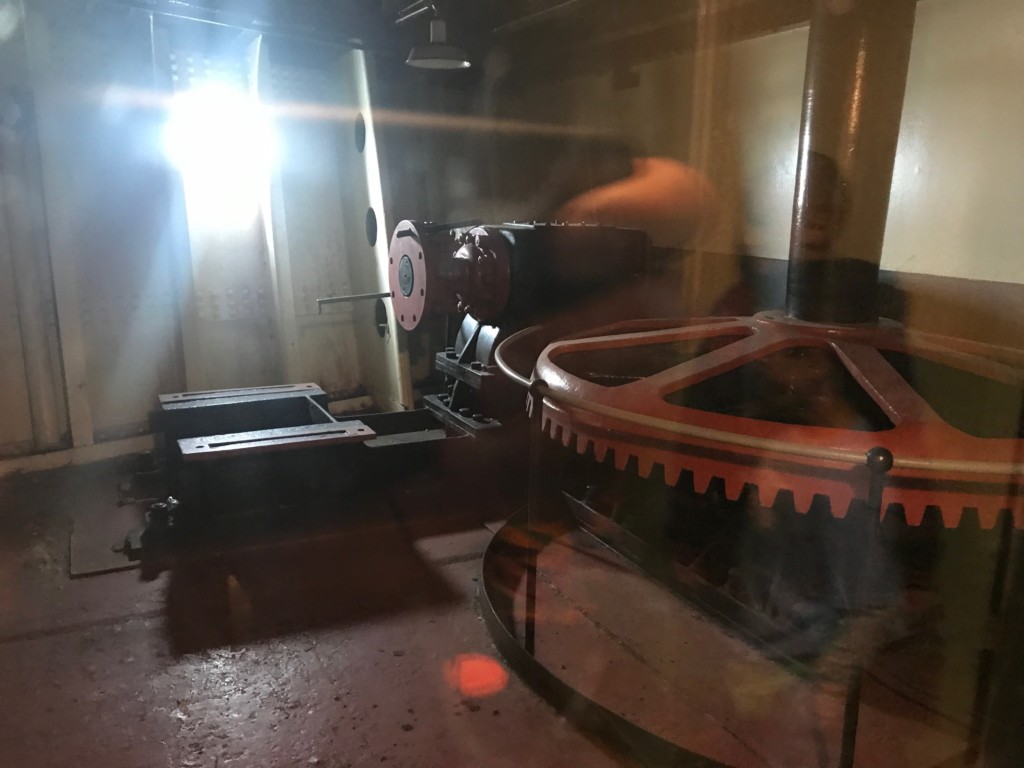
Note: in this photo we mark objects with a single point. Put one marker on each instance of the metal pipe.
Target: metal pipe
(857, 60)
(415, 10)
(509, 343)
(321, 303)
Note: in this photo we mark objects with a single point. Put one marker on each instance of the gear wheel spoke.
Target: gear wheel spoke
(708, 365)
(883, 383)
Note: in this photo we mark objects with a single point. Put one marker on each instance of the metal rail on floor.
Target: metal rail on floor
(506, 564)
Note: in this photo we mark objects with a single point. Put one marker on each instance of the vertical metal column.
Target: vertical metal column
(879, 462)
(857, 60)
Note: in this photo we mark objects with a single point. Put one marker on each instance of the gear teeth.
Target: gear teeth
(701, 481)
(753, 495)
(951, 516)
(767, 486)
(582, 444)
(734, 487)
(672, 472)
(988, 517)
(767, 493)
(645, 466)
(841, 499)
(802, 500)
(621, 458)
(914, 512)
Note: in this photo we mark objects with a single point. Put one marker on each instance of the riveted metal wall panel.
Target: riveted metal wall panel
(31, 390)
(109, 206)
(228, 295)
(15, 419)
(308, 222)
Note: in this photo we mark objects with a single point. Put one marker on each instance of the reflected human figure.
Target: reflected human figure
(834, 583)
(663, 197)
(833, 586)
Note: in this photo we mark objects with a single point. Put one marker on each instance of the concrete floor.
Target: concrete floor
(340, 651)
(363, 645)
(658, 662)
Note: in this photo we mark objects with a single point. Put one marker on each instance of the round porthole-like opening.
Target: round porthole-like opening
(371, 226)
(360, 133)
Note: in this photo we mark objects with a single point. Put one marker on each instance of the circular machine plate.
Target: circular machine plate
(783, 405)
(407, 275)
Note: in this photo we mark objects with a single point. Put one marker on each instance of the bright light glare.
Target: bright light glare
(10, 19)
(223, 143)
(475, 676)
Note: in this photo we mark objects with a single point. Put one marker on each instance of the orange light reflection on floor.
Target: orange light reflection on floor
(475, 676)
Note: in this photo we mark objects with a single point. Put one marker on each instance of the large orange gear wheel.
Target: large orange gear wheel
(780, 405)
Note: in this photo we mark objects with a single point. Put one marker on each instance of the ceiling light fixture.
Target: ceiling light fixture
(438, 53)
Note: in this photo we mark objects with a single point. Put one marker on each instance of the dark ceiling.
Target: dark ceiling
(545, 37)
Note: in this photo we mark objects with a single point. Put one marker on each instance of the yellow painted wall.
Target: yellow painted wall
(959, 174)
